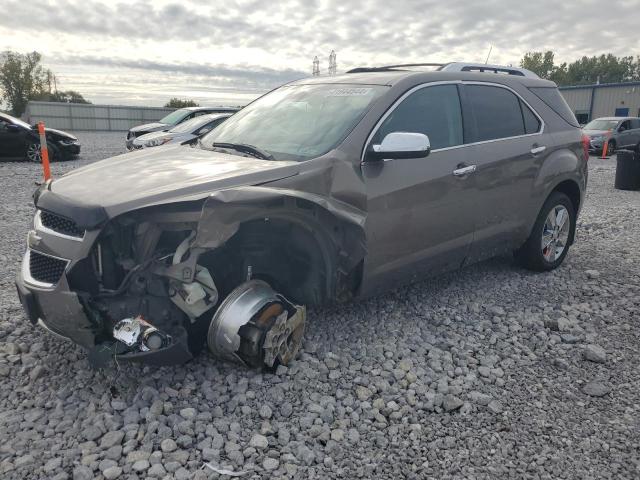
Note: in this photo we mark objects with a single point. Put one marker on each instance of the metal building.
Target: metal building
(78, 116)
(603, 100)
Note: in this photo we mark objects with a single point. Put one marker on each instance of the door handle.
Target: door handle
(537, 150)
(461, 172)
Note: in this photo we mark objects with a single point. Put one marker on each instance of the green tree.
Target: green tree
(21, 78)
(179, 103)
(539, 63)
(67, 96)
(606, 68)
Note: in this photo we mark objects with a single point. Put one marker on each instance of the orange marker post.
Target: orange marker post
(605, 146)
(44, 152)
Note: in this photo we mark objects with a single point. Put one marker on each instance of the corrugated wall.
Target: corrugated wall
(578, 99)
(77, 116)
(608, 99)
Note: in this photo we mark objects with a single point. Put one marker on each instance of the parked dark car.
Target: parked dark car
(323, 190)
(20, 141)
(174, 118)
(617, 132)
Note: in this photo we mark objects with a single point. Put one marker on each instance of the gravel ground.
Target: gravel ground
(490, 372)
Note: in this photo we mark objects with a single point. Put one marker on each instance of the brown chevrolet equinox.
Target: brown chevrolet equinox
(322, 190)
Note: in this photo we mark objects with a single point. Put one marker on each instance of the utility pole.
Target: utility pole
(333, 66)
(316, 67)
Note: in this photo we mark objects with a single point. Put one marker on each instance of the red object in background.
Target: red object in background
(585, 146)
(44, 152)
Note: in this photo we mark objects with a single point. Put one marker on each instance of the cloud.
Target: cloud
(252, 44)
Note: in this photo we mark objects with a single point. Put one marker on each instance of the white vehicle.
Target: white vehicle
(186, 132)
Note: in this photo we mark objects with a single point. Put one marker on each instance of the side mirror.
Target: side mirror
(401, 145)
(13, 128)
(621, 129)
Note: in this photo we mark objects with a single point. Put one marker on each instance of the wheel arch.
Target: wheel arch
(310, 246)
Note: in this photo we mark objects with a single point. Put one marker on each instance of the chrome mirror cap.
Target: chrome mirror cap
(401, 145)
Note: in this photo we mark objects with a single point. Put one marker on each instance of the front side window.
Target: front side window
(298, 122)
(497, 112)
(434, 111)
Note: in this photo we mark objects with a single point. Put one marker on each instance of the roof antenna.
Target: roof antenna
(488, 54)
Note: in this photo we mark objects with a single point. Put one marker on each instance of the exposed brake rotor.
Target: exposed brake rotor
(257, 326)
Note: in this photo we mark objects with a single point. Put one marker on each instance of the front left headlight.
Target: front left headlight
(158, 141)
(68, 141)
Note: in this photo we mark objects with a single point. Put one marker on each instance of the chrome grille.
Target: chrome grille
(60, 224)
(44, 268)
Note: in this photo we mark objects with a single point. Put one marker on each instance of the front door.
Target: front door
(11, 141)
(419, 218)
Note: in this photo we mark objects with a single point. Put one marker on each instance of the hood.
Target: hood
(595, 133)
(60, 133)
(150, 127)
(162, 175)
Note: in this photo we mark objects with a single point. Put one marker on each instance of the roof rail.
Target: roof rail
(453, 67)
(393, 67)
(484, 68)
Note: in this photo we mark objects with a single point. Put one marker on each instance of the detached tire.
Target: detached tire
(548, 244)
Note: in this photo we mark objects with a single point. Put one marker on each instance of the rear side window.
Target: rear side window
(554, 100)
(531, 122)
(635, 123)
(434, 111)
(497, 112)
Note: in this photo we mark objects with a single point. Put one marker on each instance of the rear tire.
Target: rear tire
(548, 243)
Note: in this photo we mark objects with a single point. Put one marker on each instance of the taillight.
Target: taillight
(585, 145)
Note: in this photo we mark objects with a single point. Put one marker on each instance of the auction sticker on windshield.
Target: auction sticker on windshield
(348, 92)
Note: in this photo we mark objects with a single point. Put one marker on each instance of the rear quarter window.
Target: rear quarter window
(556, 102)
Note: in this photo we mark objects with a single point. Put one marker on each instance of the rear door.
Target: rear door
(508, 147)
(420, 215)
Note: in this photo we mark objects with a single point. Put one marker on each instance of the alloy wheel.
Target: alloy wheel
(555, 233)
(33, 153)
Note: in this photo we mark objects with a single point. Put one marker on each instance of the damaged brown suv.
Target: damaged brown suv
(322, 190)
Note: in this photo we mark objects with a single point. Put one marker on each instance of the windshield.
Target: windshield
(174, 117)
(601, 124)
(297, 122)
(193, 124)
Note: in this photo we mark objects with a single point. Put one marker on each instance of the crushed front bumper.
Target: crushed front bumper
(60, 311)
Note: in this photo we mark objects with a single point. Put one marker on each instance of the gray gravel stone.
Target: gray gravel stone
(259, 441)
(270, 464)
(595, 353)
(112, 473)
(596, 389)
(168, 445)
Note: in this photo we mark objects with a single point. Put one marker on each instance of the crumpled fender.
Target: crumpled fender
(225, 210)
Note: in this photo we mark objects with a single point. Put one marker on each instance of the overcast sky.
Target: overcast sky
(227, 52)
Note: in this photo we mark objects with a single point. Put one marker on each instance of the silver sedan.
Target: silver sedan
(182, 133)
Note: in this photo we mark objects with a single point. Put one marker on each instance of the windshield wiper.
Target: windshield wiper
(245, 148)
